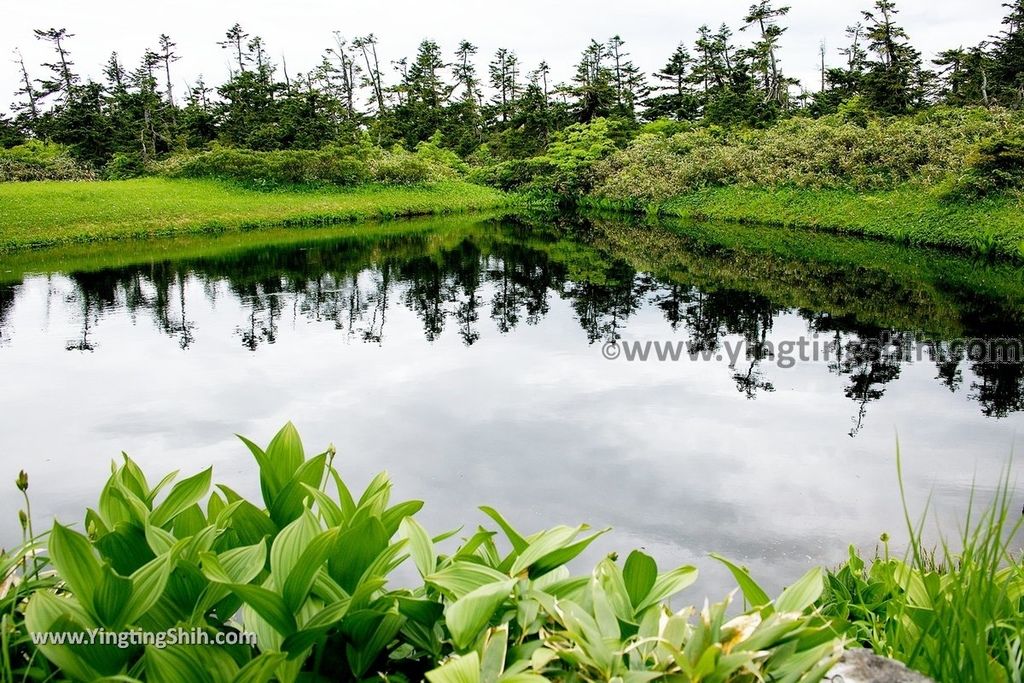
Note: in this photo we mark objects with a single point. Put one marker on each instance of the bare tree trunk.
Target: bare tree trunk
(29, 90)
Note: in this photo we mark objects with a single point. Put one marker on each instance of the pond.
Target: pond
(468, 357)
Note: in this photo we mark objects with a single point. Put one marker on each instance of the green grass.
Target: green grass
(191, 246)
(37, 214)
(953, 613)
(910, 215)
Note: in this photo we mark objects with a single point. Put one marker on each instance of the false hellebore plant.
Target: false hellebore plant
(307, 572)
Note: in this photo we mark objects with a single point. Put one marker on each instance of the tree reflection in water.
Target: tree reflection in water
(494, 278)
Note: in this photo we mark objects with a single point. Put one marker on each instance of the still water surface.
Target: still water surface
(464, 356)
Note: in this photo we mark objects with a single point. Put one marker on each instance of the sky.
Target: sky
(555, 31)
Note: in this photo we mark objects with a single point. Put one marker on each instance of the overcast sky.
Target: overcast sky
(555, 30)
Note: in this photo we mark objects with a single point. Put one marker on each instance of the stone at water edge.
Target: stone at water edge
(864, 666)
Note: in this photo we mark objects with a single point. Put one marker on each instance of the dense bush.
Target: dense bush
(997, 165)
(567, 167)
(341, 166)
(838, 151)
(514, 174)
(37, 160)
(123, 166)
(330, 165)
(306, 571)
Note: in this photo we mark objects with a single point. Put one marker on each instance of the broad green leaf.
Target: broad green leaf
(125, 547)
(285, 454)
(639, 574)
(754, 594)
(132, 477)
(393, 516)
(609, 577)
(235, 566)
(542, 544)
(803, 593)
(174, 665)
(75, 561)
(135, 510)
(155, 491)
(244, 564)
(147, 586)
(515, 538)
(182, 496)
(469, 548)
(369, 632)
(316, 628)
(461, 578)
(667, 585)
(271, 479)
(46, 612)
(495, 649)
(290, 543)
(160, 541)
(604, 614)
(464, 669)
(564, 555)
(249, 522)
(214, 506)
(377, 494)
(189, 522)
(289, 503)
(355, 550)
(345, 500)
(420, 610)
(467, 616)
(268, 605)
(260, 669)
(332, 513)
(300, 579)
(110, 599)
(329, 615)
(909, 579)
(200, 543)
(420, 546)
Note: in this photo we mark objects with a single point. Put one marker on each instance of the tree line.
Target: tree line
(724, 76)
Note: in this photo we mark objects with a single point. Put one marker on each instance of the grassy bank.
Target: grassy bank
(189, 247)
(36, 214)
(908, 215)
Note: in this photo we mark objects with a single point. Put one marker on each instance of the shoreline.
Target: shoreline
(41, 214)
(911, 216)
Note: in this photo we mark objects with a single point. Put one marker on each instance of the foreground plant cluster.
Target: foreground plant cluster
(307, 572)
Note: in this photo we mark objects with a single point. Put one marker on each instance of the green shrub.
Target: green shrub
(36, 160)
(995, 166)
(834, 152)
(328, 166)
(306, 570)
(401, 167)
(435, 154)
(514, 174)
(566, 168)
(666, 127)
(340, 166)
(123, 166)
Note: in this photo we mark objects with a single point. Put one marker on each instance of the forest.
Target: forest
(487, 109)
